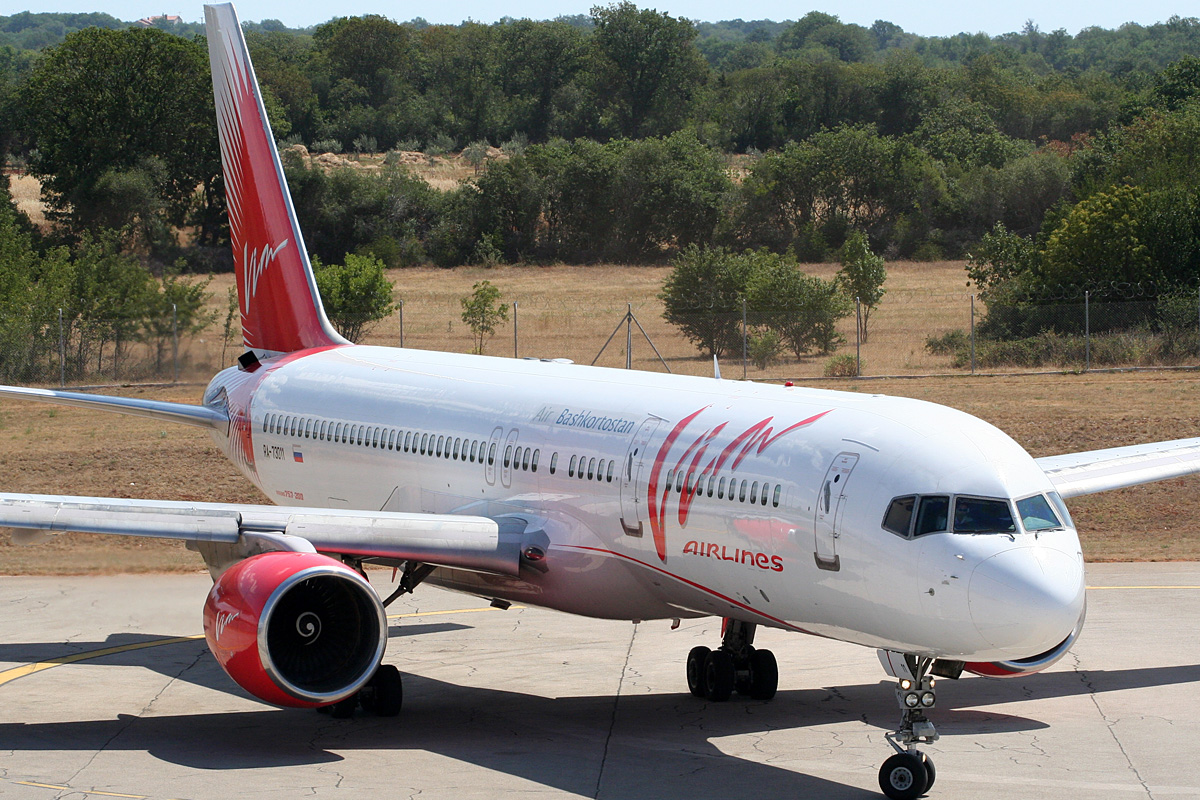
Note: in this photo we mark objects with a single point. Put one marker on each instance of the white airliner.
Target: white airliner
(896, 524)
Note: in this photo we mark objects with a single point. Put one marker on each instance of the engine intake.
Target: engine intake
(295, 629)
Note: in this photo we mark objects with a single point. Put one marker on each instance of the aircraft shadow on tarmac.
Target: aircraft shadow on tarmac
(637, 746)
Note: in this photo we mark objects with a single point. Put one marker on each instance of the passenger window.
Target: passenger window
(591, 468)
(609, 474)
(375, 437)
(553, 462)
(898, 518)
(265, 421)
(742, 493)
(424, 443)
(441, 441)
(408, 435)
(308, 424)
(391, 440)
(670, 478)
(1036, 514)
(507, 456)
(533, 464)
(571, 468)
(754, 492)
(492, 454)
(975, 515)
(933, 515)
(679, 481)
(762, 500)
(721, 489)
(775, 496)
(525, 459)
(457, 446)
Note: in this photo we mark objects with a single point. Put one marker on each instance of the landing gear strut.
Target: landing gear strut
(910, 773)
(735, 665)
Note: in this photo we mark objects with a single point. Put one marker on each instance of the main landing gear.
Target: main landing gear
(909, 773)
(735, 665)
(383, 695)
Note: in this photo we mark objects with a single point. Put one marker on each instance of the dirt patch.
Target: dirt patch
(27, 194)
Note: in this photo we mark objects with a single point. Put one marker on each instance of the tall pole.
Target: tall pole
(515, 329)
(175, 341)
(972, 334)
(629, 336)
(1087, 331)
(857, 338)
(402, 323)
(62, 352)
(745, 346)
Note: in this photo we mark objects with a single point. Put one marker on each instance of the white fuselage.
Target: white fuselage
(665, 496)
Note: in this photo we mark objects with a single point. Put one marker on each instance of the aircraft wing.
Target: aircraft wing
(1094, 471)
(465, 542)
(197, 416)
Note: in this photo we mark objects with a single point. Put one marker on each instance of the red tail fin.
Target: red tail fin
(281, 309)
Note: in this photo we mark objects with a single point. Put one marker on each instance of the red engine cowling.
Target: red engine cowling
(1026, 666)
(295, 629)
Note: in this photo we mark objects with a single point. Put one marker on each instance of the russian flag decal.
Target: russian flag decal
(297, 455)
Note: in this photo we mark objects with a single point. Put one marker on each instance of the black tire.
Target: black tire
(344, 709)
(743, 679)
(764, 671)
(695, 670)
(903, 777)
(389, 691)
(719, 676)
(930, 772)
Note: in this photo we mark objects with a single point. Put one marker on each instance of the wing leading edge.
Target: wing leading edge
(1075, 474)
(198, 416)
(465, 542)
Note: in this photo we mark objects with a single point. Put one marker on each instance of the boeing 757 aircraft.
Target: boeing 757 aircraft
(907, 527)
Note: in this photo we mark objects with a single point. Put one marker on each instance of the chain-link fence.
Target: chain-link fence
(910, 333)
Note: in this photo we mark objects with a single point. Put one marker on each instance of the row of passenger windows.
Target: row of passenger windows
(717, 487)
(477, 452)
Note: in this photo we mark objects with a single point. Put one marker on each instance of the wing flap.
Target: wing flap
(1075, 474)
(450, 540)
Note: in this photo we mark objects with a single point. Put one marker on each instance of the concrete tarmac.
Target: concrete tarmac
(534, 704)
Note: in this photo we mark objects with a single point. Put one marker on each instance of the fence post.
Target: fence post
(745, 345)
(629, 336)
(972, 334)
(402, 323)
(1087, 331)
(857, 338)
(62, 352)
(175, 341)
(515, 329)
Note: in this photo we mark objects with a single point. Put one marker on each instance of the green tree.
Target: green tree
(646, 68)
(356, 294)
(102, 104)
(802, 309)
(861, 277)
(703, 298)
(482, 312)
(1101, 239)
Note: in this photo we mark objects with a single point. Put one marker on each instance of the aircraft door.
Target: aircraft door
(633, 479)
(506, 456)
(493, 453)
(830, 500)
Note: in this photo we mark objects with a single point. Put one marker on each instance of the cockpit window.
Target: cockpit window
(978, 515)
(1036, 514)
(899, 515)
(934, 514)
(1061, 508)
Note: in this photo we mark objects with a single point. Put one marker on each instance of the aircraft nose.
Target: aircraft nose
(1026, 600)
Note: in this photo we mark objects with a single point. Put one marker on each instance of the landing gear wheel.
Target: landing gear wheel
(930, 772)
(743, 682)
(719, 676)
(764, 671)
(344, 709)
(903, 777)
(695, 670)
(388, 691)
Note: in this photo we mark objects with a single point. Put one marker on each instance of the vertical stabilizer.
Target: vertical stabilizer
(281, 309)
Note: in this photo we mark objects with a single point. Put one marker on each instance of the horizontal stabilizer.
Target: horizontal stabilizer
(471, 543)
(199, 416)
(1094, 471)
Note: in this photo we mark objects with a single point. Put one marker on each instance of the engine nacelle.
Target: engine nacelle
(1026, 666)
(295, 629)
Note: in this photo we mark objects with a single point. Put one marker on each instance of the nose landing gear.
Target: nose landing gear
(735, 665)
(909, 773)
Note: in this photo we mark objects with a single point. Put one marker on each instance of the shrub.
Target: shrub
(327, 146)
(948, 343)
(843, 366)
(764, 349)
